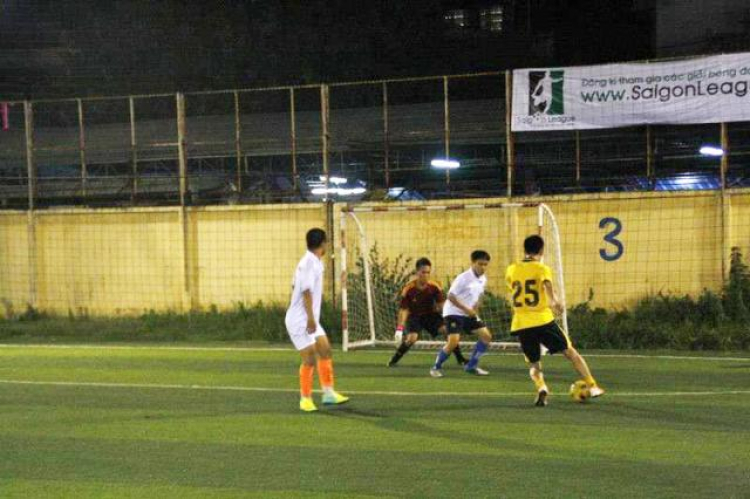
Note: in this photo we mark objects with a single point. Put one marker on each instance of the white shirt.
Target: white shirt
(307, 277)
(467, 288)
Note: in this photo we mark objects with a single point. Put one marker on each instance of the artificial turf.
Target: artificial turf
(155, 421)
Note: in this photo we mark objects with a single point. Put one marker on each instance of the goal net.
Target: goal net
(379, 248)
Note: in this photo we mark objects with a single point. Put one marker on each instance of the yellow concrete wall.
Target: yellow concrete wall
(131, 260)
(672, 242)
(248, 254)
(14, 263)
(109, 261)
(738, 222)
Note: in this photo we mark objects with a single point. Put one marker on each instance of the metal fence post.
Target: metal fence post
(190, 294)
(238, 139)
(446, 130)
(293, 137)
(82, 147)
(386, 138)
(509, 144)
(578, 157)
(725, 206)
(28, 115)
(133, 152)
(724, 165)
(324, 117)
(181, 149)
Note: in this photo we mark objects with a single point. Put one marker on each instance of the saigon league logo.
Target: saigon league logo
(546, 93)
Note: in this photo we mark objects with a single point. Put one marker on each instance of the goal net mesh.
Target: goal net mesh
(380, 248)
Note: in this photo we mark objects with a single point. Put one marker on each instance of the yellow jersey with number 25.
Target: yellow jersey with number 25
(529, 301)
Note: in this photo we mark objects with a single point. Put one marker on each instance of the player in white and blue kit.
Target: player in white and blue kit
(461, 314)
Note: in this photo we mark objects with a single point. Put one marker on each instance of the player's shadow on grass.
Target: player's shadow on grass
(400, 408)
(422, 371)
(736, 366)
(468, 435)
(350, 411)
(674, 415)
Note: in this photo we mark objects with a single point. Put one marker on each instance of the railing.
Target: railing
(297, 143)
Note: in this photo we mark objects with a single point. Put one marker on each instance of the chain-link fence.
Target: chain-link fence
(370, 140)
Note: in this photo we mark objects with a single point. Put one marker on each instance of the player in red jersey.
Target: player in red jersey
(421, 302)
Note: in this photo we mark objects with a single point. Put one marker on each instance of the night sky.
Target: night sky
(90, 47)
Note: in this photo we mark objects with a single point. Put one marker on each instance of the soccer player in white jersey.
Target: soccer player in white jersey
(303, 324)
(461, 314)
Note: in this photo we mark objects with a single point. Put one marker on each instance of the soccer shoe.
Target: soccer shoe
(477, 371)
(391, 363)
(596, 391)
(306, 404)
(541, 398)
(334, 398)
(436, 373)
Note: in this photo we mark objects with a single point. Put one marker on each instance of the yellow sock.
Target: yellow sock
(590, 380)
(539, 383)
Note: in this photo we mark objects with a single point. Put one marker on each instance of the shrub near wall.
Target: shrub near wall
(708, 322)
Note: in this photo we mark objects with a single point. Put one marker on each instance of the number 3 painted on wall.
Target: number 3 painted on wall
(611, 239)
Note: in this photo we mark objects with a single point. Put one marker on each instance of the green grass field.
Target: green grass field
(159, 422)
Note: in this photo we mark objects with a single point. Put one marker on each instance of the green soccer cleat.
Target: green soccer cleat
(334, 398)
(306, 404)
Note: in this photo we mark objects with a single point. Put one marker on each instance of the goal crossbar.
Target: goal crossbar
(371, 327)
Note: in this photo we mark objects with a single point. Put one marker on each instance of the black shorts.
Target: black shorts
(550, 335)
(429, 322)
(462, 324)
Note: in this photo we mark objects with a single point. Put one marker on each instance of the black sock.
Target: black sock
(459, 356)
(400, 352)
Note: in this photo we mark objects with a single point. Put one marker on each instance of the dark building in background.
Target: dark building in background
(701, 27)
(85, 47)
(80, 48)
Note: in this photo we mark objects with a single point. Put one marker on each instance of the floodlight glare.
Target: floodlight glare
(339, 191)
(712, 151)
(333, 180)
(445, 164)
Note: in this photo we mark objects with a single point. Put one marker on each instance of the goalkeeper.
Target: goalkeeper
(420, 303)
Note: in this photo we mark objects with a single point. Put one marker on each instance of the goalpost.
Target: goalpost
(380, 245)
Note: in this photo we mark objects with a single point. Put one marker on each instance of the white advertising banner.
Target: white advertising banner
(703, 90)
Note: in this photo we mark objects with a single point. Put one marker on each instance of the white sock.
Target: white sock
(328, 390)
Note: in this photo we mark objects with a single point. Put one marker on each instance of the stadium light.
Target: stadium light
(712, 151)
(445, 164)
(334, 180)
(339, 191)
(686, 180)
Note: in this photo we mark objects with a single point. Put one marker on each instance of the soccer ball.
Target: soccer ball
(580, 391)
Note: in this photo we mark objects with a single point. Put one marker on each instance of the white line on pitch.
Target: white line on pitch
(290, 349)
(93, 384)
(146, 347)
